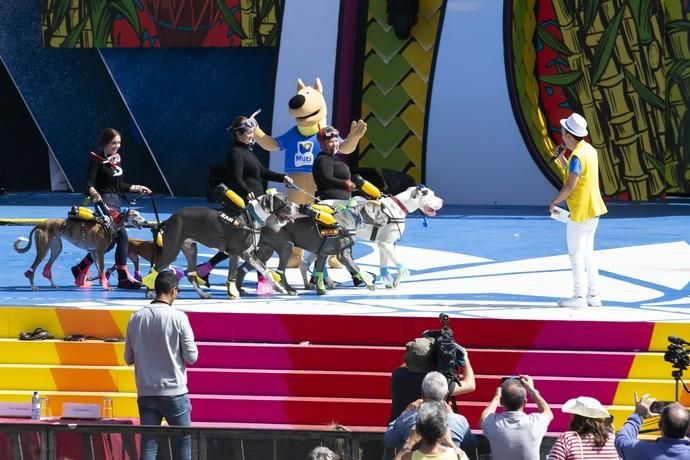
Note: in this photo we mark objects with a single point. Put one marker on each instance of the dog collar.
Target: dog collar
(399, 203)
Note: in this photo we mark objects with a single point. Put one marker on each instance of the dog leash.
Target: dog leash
(299, 189)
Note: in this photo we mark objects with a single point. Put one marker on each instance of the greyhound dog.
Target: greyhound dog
(236, 236)
(306, 234)
(384, 224)
(84, 234)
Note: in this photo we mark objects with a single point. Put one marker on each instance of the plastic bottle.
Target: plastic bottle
(108, 407)
(35, 407)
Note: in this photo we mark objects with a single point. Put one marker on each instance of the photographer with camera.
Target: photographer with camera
(435, 350)
(434, 388)
(673, 424)
(513, 434)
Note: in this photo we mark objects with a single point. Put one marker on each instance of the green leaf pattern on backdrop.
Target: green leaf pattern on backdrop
(551, 41)
(645, 93)
(562, 79)
(129, 12)
(229, 17)
(591, 8)
(602, 55)
(642, 13)
(75, 34)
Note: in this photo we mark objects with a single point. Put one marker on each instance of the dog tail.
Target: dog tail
(21, 239)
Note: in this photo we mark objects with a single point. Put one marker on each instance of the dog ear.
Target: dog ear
(317, 85)
(300, 84)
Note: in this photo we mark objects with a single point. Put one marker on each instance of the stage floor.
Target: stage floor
(470, 261)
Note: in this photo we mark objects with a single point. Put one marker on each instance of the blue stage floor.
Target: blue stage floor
(470, 261)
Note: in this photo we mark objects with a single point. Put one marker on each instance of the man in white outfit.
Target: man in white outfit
(581, 191)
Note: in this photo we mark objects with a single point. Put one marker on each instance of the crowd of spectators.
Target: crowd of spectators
(423, 425)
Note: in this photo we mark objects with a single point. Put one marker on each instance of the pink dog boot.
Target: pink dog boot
(263, 286)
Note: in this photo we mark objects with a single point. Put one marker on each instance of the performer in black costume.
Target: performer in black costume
(246, 174)
(331, 175)
(104, 185)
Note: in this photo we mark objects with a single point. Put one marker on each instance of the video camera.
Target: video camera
(448, 354)
(677, 354)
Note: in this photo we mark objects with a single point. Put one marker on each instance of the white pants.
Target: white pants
(580, 236)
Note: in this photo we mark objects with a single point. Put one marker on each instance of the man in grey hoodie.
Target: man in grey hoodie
(159, 343)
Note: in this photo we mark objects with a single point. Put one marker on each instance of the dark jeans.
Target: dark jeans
(112, 200)
(177, 412)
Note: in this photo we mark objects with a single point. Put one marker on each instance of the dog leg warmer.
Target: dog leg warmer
(320, 286)
(204, 269)
(150, 279)
(403, 272)
(263, 286)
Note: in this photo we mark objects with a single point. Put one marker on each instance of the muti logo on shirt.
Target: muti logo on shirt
(305, 154)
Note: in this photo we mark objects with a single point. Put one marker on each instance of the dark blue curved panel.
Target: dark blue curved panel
(170, 104)
(183, 99)
(71, 97)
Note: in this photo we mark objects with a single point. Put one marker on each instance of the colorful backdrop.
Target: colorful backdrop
(159, 23)
(624, 65)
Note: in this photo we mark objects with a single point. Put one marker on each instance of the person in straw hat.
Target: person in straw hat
(581, 191)
(590, 436)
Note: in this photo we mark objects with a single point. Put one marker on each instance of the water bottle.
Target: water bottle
(108, 407)
(35, 407)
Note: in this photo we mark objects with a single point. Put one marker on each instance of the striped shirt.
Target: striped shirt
(569, 445)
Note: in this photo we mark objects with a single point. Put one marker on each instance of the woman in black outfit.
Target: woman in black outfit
(246, 175)
(331, 175)
(104, 185)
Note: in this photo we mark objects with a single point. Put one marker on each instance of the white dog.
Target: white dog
(384, 224)
(393, 210)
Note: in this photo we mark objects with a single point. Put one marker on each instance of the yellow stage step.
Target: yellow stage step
(87, 353)
(41, 377)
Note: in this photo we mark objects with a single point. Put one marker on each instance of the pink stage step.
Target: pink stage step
(385, 359)
(396, 331)
(322, 411)
(338, 384)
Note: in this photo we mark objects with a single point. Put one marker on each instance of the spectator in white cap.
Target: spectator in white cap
(590, 436)
(581, 191)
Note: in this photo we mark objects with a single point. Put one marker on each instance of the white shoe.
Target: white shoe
(573, 302)
(594, 301)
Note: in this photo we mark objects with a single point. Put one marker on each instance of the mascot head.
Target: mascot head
(308, 108)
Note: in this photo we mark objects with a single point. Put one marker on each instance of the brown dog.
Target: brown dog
(84, 234)
(137, 249)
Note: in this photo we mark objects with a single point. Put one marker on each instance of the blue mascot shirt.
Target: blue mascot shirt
(300, 151)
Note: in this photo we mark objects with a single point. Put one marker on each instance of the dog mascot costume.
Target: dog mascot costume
(308, 108)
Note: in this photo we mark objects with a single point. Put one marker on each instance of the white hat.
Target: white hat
(586, 407)
(575, 124)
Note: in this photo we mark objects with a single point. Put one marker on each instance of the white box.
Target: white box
(81, 410)
(15, 409)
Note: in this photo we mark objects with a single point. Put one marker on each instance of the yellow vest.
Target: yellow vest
(585, 200)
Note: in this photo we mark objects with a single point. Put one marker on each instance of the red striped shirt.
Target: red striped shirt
(569, 445)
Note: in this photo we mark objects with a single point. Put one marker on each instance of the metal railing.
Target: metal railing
(89, 441)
